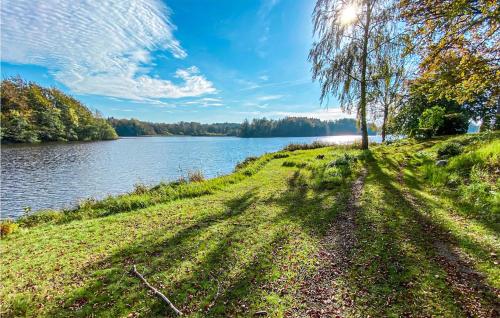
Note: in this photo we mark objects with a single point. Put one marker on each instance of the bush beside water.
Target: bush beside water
(314, 145)
(196, 176)
(8, 227)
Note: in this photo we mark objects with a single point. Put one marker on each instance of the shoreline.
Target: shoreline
(149, 136)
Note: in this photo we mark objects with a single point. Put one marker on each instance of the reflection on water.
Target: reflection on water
(57, 175)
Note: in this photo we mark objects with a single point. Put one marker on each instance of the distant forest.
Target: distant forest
(287, 127)
(31, 113)
(135, 127)
(299, 127)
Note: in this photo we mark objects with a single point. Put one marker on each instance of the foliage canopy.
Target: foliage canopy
(31, 113)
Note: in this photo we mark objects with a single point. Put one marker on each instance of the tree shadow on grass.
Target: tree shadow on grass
(395, 269)
(207, 268)
(114, 292)
(314, 209)
(240, 292)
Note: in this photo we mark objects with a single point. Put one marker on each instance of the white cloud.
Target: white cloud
(323, 114)
(263, 16)
(256, 105)
(214, 105)
(269, 97)
(98, 47)
(122, 110)
(248, 85)
(266, 7)
(206, 102)
(252, 86)
(264, 78)
(209, 99)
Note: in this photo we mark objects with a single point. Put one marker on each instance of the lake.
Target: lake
(58, 175)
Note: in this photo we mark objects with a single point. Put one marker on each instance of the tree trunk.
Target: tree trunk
(362, 112)
(491, 121)
(496, 126)
(384, 123)
(364, 60)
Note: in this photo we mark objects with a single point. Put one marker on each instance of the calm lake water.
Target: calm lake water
(58, 175)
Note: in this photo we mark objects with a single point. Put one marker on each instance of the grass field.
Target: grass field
(425, 240)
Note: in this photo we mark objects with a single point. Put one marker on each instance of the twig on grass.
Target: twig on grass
(216, 295)
(156, 291)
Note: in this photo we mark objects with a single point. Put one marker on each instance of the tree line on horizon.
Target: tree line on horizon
(286, 127)
(300, 126)
(134, 127)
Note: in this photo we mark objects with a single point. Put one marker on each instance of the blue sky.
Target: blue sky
(167, 61)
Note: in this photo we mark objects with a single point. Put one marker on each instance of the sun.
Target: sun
(348, 13)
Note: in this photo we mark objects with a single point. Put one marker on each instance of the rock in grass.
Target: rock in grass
(441, 163)
(260, 313)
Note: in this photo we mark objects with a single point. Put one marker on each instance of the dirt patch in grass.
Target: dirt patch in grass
(320, 294)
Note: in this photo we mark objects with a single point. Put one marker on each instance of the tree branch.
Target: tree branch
(157, 292)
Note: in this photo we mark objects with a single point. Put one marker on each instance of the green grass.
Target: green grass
(246, 242)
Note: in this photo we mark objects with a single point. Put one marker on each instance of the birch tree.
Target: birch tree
(345, 56)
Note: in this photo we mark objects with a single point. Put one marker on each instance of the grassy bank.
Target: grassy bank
(426, 239)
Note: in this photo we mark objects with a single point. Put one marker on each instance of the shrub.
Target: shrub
(449, 149)
(434, 174)
(140, 188)
(314, 145)
(431, 120)
(280, 155)
(196, 176)
(424, 133)
(453, 124)
(479, 197)
(294, 164)
(180, 180)
(246, 162)
(46, 216)
(7, 227)
(293, 147)
(334, 176)
(85, 204)
(344, 160)
(164, 192)
(334, 173)
(320, 157)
